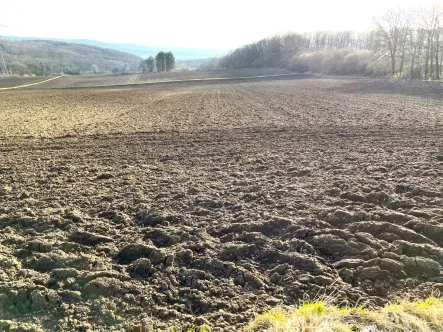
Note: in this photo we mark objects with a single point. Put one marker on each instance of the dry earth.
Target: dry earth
(194, 203)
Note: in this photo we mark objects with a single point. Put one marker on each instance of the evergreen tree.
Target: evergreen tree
(169, 61)
(160, 61)
(150, 64)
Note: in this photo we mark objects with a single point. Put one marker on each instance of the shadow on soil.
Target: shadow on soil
(433, 90)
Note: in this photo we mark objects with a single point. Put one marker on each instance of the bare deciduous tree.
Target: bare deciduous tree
(391, 35)
(430, 23)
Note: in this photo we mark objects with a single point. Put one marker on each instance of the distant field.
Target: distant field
(6, 82)
(112, 80)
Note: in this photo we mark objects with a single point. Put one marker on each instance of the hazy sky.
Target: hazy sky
(223, 24)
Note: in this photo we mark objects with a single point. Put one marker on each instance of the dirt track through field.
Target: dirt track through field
(206, 203)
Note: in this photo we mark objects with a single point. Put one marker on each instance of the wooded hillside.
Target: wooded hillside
(43, 58)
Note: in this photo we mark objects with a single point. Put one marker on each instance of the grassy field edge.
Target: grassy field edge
(401, 316)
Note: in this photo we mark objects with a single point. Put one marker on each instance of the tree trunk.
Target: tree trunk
(417, 62)
(400, 70)
(441, 61)
(431, 63)
(393, 64)
(427, 63)
(437, 50)
(411, 75)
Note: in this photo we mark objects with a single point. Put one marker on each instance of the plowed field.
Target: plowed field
(91, 81)
(206, 203)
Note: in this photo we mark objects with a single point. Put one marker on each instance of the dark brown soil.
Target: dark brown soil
(186, 204)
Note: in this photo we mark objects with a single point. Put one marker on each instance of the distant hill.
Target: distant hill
(192, 64)
(45, 57)
(140, 50)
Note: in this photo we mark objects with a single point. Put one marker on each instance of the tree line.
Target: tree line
(163, 61)
(401, 44)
